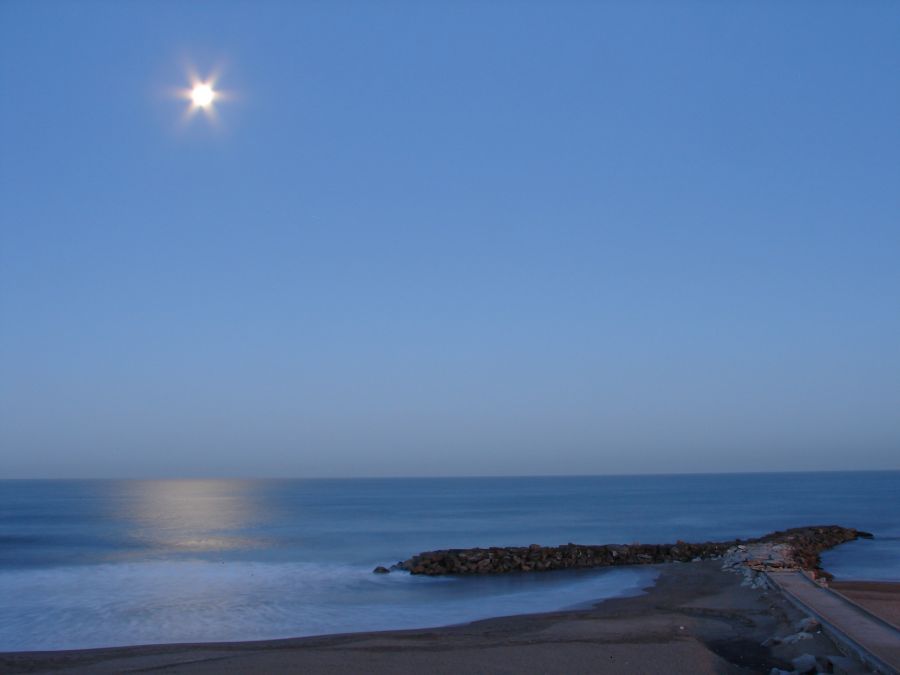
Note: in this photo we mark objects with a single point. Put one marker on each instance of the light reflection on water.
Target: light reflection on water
(369, 522)
(189, 516)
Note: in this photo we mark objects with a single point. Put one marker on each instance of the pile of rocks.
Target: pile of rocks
(752, 559)
(806, 663)
(800, 546)
(807, 543)
(497, 560)
(796, 549)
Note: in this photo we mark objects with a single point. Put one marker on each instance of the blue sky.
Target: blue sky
(449, 238)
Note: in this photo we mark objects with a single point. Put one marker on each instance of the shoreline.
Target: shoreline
(696, 618)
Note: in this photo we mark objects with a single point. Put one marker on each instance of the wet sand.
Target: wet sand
(695, 619)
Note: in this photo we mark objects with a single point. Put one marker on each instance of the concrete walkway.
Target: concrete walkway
(872, 639)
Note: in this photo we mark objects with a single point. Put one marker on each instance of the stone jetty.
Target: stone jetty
(799, 548)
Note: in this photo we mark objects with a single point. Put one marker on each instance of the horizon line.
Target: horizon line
(455, 476)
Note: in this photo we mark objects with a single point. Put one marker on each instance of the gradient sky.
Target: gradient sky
(449, 238)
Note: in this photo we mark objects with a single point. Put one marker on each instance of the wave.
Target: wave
(198, 601)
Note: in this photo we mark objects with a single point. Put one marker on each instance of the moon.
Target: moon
(202, 95)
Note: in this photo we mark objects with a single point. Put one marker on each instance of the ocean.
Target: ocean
(118, 562)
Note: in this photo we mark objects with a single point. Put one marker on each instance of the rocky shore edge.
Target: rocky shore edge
(796, 548)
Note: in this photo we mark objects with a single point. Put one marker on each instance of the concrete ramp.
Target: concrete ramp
(873, 640)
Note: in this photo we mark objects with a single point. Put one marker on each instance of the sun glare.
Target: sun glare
(202, 95)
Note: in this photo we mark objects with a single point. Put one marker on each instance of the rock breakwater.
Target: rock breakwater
(801, 547)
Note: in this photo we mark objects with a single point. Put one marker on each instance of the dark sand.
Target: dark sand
(882, 598)
(696, 619)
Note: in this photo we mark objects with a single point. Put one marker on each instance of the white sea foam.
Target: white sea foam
(195, 601)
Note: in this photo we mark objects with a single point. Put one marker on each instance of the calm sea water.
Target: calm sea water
(96, 563)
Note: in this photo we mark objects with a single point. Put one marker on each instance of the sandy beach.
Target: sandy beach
(695, 619)
(880, 597)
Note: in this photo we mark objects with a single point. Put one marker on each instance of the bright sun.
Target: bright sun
(202, 95)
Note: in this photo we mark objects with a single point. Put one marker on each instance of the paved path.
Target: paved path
(874, 639)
